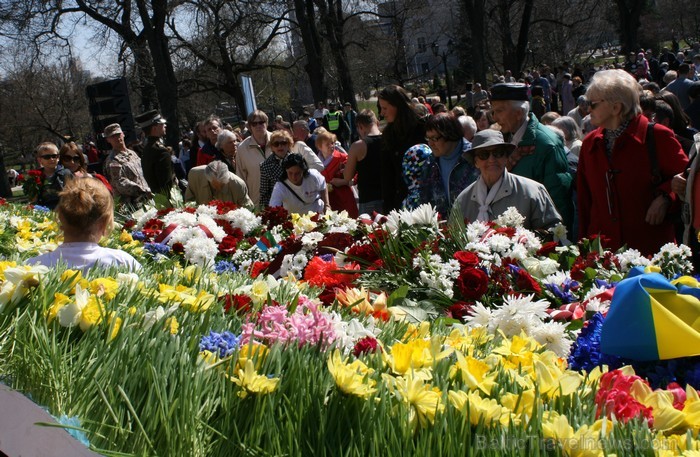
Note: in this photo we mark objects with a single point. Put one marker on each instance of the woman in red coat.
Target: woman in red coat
(340, 193)
(622, 195)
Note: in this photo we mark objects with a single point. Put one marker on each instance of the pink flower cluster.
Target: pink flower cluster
(306, 325)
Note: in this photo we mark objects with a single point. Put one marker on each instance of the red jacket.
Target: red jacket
(614, 194)
(340, 198)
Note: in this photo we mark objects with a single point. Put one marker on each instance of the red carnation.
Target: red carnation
(366, 345)
(547, 248)
(178, 248)
(362, 251)
(258, 268)
(164, 211)
(228, 245)
(129, 224)
(507, 231)
(472, 283)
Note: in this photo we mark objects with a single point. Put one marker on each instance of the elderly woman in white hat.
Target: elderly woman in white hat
(496, 190)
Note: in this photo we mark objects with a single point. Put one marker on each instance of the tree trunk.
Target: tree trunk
(145, 78)
(304, 10)
(475, 12)
(630, 12)
(331, 13)
(166, 86)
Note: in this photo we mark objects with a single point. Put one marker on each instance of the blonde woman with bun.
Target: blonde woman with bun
(86, 214)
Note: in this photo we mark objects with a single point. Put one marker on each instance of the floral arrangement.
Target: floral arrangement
(384, 336)
(31, 183)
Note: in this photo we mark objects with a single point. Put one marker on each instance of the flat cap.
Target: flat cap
(509, 91)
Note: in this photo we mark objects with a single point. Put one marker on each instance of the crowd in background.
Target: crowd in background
(607, 153)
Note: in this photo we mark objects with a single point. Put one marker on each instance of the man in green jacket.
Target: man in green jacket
(540, 153)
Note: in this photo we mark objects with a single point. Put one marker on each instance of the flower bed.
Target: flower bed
(316, 335)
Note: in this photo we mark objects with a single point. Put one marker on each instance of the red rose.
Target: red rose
(466, 259)
(178, 248)
(362, 251)
(526, 282)
(472, 283)
(366, 345)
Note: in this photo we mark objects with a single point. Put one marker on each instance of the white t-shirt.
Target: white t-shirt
(309, 191)
(85, 255)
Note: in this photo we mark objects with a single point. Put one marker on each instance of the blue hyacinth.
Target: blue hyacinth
(157, 248)
(43, 209)
(223, 344)
(225, 266)
(138, 235)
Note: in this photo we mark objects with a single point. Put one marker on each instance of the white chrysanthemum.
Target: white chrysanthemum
(181, 219)
(217, 232)
(206, 210)
(673, 259)
(310, 240)
(631, 258)
(596, 305)
(553, 336)
(499, 243)
(142, 217)
(183, 234)
(393, 222)
(480, 316)
(201, 251)
(243, 219)
(340, 222)
(558, 278)
(528, 239)
(518, 313)
(593, 291)
(517, 252)
(299, 261)
(475, 230)
(510, 218)
(426, 215)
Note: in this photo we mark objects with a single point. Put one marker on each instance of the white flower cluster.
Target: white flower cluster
(492, 246)
(340, 222)
(520, 314)
(201, 251)
(350, 332)
(424, 216)
(243, 219)
(142, 216)
(294, 265)
(673, 259)
(631, 258)
(436, 274)
(510, 218)
(310, 240)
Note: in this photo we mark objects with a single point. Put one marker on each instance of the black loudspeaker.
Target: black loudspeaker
(109, 103)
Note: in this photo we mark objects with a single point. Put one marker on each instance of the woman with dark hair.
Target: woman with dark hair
(448, 170)
(404, 129)
(73, 159)
(300, 189)
(681, 121)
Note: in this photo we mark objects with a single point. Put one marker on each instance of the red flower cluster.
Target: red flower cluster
(614, 399)
(258, 268)
(366, 345)
(320, 273)
(460, 310)
(273, 216)
(364, 252)
(152, 228)
(223, 207)
(239, 303)
(335, 240)
(472, 283)
(595, 261)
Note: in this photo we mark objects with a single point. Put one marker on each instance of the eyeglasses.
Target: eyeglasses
(484, 155)
(593, 105)
(256, 123)
(278, 143)
(49, 157)
(433, 139)
(74, 159)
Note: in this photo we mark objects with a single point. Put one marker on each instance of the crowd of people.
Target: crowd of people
(607, 154)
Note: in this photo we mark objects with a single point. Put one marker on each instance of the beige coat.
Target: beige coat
(248, 160)
(199, 189)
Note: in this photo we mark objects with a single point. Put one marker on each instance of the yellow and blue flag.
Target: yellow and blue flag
(651, 318)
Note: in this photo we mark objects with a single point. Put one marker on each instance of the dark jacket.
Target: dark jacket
(157, 166)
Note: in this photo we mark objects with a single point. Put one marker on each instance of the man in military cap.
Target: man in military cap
(156, 160)
(123, 169)
(540, 153)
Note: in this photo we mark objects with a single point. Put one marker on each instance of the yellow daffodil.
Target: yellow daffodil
(105, 288)
(584, 442)
(125, 237)
(84, 311)
(171, 325)
(517, 352)
(465, 339)
(480, 410)
(475, 374)
(302, 223)
(59, 301)
(552, 381)
(175, 294)
(414, 355)
(522, 404)
(423, 400)
(208, 357)
(351, 379)
(253, 383)
(115, 325)
(72, 277)
(5, 264)
(200, 303)
(252, 351)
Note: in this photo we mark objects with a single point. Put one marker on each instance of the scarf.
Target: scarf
(485, 197)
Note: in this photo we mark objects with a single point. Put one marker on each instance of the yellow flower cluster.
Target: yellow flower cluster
(35, 236)
(16, 282)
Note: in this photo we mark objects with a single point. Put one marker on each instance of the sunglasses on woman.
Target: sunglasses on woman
(74, 159)
(278, 143)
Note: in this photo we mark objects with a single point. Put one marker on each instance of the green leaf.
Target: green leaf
(401, 292)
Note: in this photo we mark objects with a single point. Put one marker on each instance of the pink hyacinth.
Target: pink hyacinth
(307, 325)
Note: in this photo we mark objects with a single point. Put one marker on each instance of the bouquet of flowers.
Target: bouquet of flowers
(31, 183)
